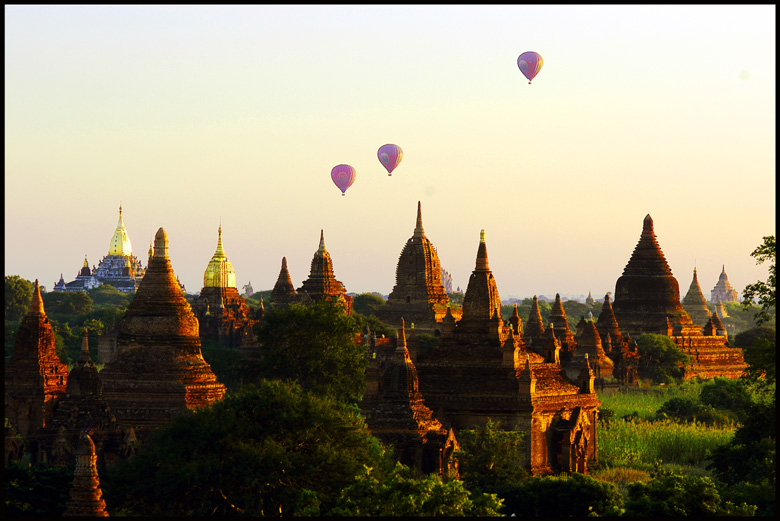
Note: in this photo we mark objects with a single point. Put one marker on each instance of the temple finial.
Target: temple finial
(418, 229)
(322, 242)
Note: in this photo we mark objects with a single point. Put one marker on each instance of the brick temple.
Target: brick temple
(158, 371)
(647, 300)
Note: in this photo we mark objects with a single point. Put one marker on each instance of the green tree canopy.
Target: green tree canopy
(36, 490)
(314, 345)
(367, 303)
(763, 292)
(18, 297)
(272, 449)
(660, 359)
(67, 303)
(491, 458)
(404, 495)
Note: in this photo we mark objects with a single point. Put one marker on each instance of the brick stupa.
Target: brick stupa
(695, 304)
(418, 295)
(322, 283)
(34, 376)
(647, 300)
(159, 370)
(283, 291)
(85, 495)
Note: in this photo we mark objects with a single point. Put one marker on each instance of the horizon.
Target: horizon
(192, 117)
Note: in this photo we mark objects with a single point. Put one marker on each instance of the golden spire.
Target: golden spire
(120, 242)
(219, 273)
(86, 264)
(161, 244)
(482, 258)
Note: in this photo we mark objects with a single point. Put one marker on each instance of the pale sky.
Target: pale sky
(189, 116)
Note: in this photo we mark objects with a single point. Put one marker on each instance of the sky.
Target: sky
(194, 116)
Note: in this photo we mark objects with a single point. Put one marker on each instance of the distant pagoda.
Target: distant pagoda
(419, 295)
(723, 290)
(322, 284)
(695, 304)
(223, 316)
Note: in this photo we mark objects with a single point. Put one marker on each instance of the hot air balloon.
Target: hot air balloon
(343, 176)
(390, 156)
(530, 64)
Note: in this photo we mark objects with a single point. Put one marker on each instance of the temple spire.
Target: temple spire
(482, 257)
(418, 229)
(36, 306)
(322, 242)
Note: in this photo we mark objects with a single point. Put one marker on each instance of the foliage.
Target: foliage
(759, 346)
(377, 327)
(674, 494)
(660, 359)
(763, 292)
(228, 364)
(37, 490)
(690, 410)
(273, 449)
(456, 298)
(106, 295)
(745, 339)
(315, 346)
(66, 303)
(620, 476)
(576, 495)
(367, 303)
(725, 393)
(18, 297)
(403, 495)
(740, 316)
(491, 458)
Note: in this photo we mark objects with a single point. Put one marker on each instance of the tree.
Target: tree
(37, 490)
(67, 303)
(367, 303)
(491, 458)
(763, 292)
(272, 449)
(660, 359)
(18, 297)
(402, 495)
(674, 494)
(314, 345)
(758, 344)
(577, 495)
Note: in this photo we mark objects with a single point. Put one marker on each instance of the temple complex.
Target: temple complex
(322, 283)
(483, 370)
(419, 295)
(158, 371)
(223, 315)
(35, 379)
(723, 291)
(695, 304)
(120, 268)
(85, 496)
(647, 300)
(396, 413)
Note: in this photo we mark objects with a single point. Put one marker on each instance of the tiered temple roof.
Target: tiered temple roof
(322, 283)
(85, 496)
(695, 304)
(561, 323)
(34, 376)
(723, 290)
(419, 294)
(159, 370)
(534, 328)
(223, 316)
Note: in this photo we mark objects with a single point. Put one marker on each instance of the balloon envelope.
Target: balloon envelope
(390, 156)
(530, 64)
(343, 176)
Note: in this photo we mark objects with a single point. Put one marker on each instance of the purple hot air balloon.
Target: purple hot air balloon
(343, 176)
(390, 156)
(530, 64)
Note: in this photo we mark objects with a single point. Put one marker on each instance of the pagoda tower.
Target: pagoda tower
(120, 268)
(695, 304)
(534, 328)
(283, 291)
(723, 291)
(322, 283)
(419, 294)
(223, 316)
(607, 324)
(647, 296)
(589, 345)
(561, 323)
(35, 379)
(85, 496)
(396, 413)
(158, 371)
